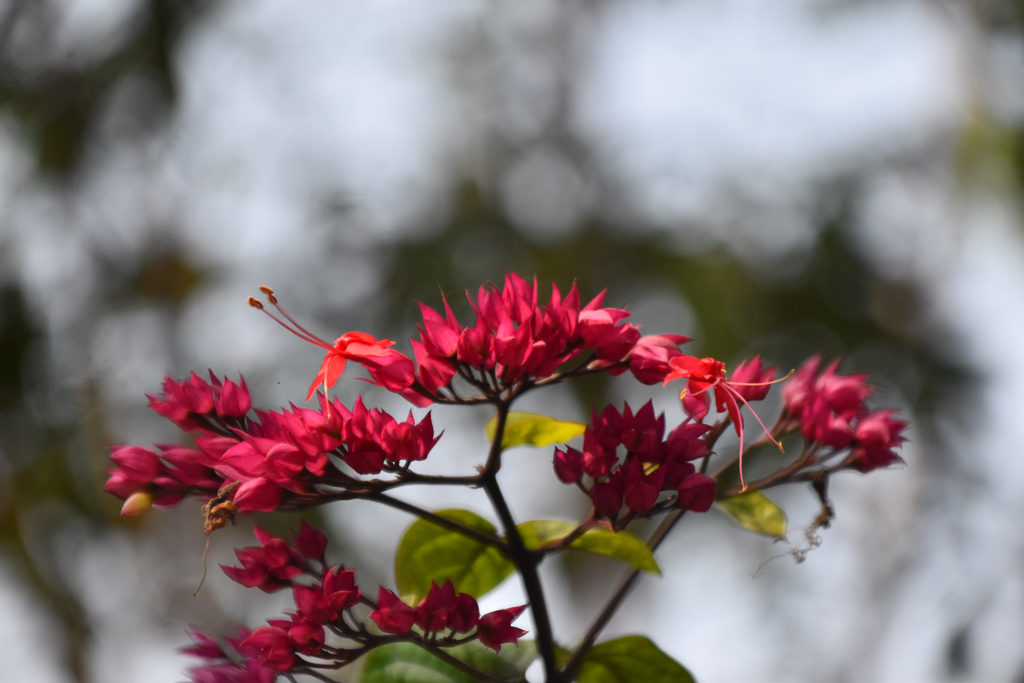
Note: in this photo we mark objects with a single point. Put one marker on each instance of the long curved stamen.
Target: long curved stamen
(739, 428)
(752, 412)
(702, 391)
(735, 394)
(300, 333)
(762, 384)
(309, 335)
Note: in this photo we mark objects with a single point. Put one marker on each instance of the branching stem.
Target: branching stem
(572, 667)
(524, 560)
(469, 532)
(458, 663)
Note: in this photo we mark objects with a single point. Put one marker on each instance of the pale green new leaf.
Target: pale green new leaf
(530, 429)
(618, 546)
(756, 512)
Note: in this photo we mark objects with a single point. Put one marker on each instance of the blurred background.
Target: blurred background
(784, 178)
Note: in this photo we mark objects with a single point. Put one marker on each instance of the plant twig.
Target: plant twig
(458, 663)
(573, 665)
(469, 532)
(524, 561)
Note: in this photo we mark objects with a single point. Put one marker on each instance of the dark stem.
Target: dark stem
(783, 476)
(476, 534)
(572, 667)
(458, 663)
(518, 553)
(410, 477)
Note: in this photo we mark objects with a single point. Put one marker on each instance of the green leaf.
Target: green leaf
(756, 512)
(633, 659)
(618, 546)
(428, 552)
(530, 429)
(407, 663)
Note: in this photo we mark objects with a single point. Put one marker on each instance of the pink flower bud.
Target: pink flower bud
(649, 360)
(234, 400)
(137, 463)
(440, 337)
(258, 495)
(568, 465)
(197, 394)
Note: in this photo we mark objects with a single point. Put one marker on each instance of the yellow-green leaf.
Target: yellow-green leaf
(428, 552)
(530, 429)
(756, 512)
(633, 659)
(562, 656)
(618, 546)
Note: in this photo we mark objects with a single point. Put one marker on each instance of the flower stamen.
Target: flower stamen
(298, 330)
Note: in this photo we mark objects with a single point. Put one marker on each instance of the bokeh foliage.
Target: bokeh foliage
(838, 304)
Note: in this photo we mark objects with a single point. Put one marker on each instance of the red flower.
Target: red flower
(258, 495)
(349, 346)
(832, 412)
(273, 647)
(696, 492)
(495, 628)
(641, 490)
(306, 636)
(312, 543)
(221, 667)
(465, 614)
(392, 615)
(357, 346)
(568, 465)
(434, 611)
(707, 373)
(270, 567)
(322, 603)
(875, 437)
(649, 361)
(751, 380)
(653, 463)
(607, 495)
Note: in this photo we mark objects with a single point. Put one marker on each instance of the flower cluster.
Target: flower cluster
(274, 564)
(443, 609)
(652, 463)
(240, 665)
(630, 465)
(513, 338)
(832, 412)
(278, 457)
(324, 599)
